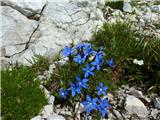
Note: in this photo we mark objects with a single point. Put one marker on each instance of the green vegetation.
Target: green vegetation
(22, 98)
(40, 63)
(115, 4)
(156, 2)
(120, 41)
(62, 75)
(124, 44)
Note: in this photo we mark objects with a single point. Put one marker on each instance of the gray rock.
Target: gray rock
(111, 116)
(26, 7)
(154, 113)
(51, 99)
(151, 17)
(4, 62)
(155, 8)
(47, 74)
(41, 77)
(55, 116)
(37, 118)
(51, 67)
(117, 114)
(156, 103)
(127, 7)
(99, 15)
(47, 111)
(138, 94)
(65, 112)
(135, 106)
(101, 3)
(135, 92)
(80, 108)
(61, 23)
(14, 41)
(118, 13)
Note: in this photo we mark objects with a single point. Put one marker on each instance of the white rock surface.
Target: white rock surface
(155, 8)
(51, 99)
(48, 110)
(151, 17)
(36, 118)
(61, 23)
(135, 106)
(16, 30)
(156, 103)
(154, 113)
(55, 116)
(127, 7)
(26, 7)
(51, 67)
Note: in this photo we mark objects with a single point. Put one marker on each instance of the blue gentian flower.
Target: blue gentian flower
(111, 63)
(99, 54)
(90, 104)
(101, 89)
(74, 89)
(87, 48)
(67, 51)
(79, 59)
(102, 106)
(82, 83)
(63, 93)
(88, 70)
(80, 46)
(97, 63)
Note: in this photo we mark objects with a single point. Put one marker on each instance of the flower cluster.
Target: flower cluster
(84, 54)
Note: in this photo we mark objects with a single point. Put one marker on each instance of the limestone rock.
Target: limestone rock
(26, 7)
(127, 7)
(51, 99)
(47, 111)
(117, 114)
(36, 118)
(154, 113)
(55, 116)
(156, 103)
(16, 30)
(135, 106)
(60, 24)
(155, 8)
(151, 17)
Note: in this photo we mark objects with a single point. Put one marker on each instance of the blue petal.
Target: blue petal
(104, 113)
(85, 103)
(78, 78)
(85, 86)
(85, 80)
(95, 100)
(88, 109)
(88, 98)
(92, 68)
(79, 90)
(99, 92)
(101, 84)
(86, 74)
(92, 73)
(73, 93)
(104, 93)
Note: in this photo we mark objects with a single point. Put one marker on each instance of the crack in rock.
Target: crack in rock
(30, 37)
(28, 8)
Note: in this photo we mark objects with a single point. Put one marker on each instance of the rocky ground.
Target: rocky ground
(128, 103)
(44, 27)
